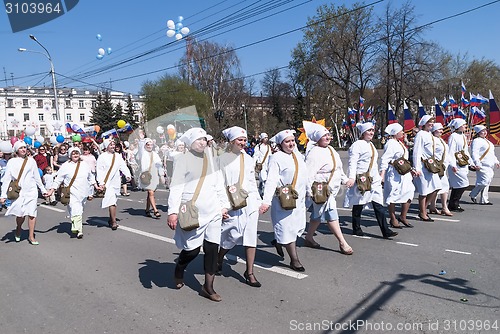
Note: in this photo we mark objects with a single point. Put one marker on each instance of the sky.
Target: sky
(264, 40)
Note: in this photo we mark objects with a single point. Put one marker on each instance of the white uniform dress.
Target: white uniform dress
(113, 184)
(483, 155)
(241, 227)
(79, 188)
(397, 188)
(360, 155)
(30, 182)
(424, 147)
(287, 224)
(319, 164)
(211, 200)
(156, 169)
(261, 151)
(457, 142)
(442, 149)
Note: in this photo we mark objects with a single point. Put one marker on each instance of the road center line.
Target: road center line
(458, 252)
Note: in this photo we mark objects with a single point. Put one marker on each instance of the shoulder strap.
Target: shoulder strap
(485, 152)
(373, 156)
(433, 145)
(242, 168)
(334, 164)
(202, 178)
(22, 169)
(265, 156)
(74, 176)
(294, 181)
(110, 168)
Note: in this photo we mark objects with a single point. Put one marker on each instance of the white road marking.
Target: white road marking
(52, 208)
(458, 252)
(406, 244)
(264, 221)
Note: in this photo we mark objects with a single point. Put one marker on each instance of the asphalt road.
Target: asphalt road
(121, 281)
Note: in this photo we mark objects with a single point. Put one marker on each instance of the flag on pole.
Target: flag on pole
(463, 88)
(109, 133)
(482, 99)
(474, 101)
(494, 135)
(464, 102)
(369, 113)
(421, 110)
(409, 122)
(478, 116)
(444, 103)
(391, 118)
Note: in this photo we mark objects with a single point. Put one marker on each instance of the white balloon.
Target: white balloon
(170, 24)
(170, 33)
(30, 130)
(5, 147)
(53, 140)
(185, 31)
(159, 129)
(101, 51)
(178, 36)
(40, 138)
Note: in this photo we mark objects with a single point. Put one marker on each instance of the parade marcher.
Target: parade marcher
(150, 163)
(398, 188)
(484, 160)
(286, 175)
(262, 153)
(362, 167)
(427, 182)
(240, 228)
(459, 164)
(23, 169)
(109, 166)
(78, 176)
(195, 179)
(442, 155)
(91, 161)
(324, 169)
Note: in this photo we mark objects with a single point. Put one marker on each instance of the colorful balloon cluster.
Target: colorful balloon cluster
(177, 29)
(101, 52)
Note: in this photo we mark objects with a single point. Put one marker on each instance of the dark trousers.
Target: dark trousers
(209, 261)
(380, 215)
(455, 196)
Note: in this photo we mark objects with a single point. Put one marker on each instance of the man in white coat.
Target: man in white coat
(109, 166)
(261, 156)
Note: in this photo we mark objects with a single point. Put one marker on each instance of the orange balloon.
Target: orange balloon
(97, 128)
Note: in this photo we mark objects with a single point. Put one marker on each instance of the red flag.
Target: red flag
(494, 134)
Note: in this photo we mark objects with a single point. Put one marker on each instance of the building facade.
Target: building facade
(35, 106)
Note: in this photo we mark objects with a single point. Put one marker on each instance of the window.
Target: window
(68, 117)
(10, 103)
(68, 103)
(26, 117)
(43, 131)
(40, 117)
(136, 118)
(82, 117)
(53, 103)
(11, 114)
(39, 103)
(25, 103)
(80, 104)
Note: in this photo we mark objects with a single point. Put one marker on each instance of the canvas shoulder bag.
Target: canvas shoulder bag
(364, 180)
(287, 194)
(14, 188)
(432, 164)
(146, 175)
(236, 194)
(321, 190)
(461, 156)
(101, 193)
(258, 165)
(66, 191)
(402, 165)
(443, 158)
(188, 212)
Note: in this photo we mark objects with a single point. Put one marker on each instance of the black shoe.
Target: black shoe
(489, 203)
(390, 234)
(473, 200)
(358, 232)
(255, 284)
(428, 219)
(299, 269)
(53, 203)
(279, 248)
(457, 209)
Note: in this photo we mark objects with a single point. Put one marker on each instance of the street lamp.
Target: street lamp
(219, 114)
(52, 72)
(245, 115)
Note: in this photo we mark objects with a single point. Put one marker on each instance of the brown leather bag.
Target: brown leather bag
(287, 195)
(236, 194)
(259, 165)
(146, 175)
(364, 180)
(432, 164)
(66, 191)
(188, 212)
(14, 188)
(321, 190)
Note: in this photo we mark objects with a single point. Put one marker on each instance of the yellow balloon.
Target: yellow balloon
(121, 123)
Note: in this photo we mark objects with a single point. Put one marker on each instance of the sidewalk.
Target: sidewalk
(494, 187)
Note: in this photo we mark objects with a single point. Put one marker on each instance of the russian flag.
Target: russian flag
(474, 102)
(453, 103)
(421, 110)
(109, 133)
(391, 118)
(444, 103)
(369, 113)
(478, 116)
(482, 99)
(460, 114)
(409, 122)
(463, 87)
(464, 102)
(126, 129)
(439, 112)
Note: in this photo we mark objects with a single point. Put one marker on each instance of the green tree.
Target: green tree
(103, 114)
(129, 114)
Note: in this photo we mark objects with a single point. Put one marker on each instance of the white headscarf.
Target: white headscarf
(106, 142)
(18, 144)
(456, 123)
(280, 136)
(424, 120)
(363, 127)
(314, 131)
(436, 126)
(393, 129)
(234, 132)
(479, 128)
(263, 135)
(193, 134)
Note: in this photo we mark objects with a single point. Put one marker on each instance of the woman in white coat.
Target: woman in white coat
(426, 182)
(363, 158)
(212, 205)
(443, 155)
(79, 188)
(240, 228)
(324, 165)
(457, 175)
(398, 189)
(30, 182)
(287, 224)
(484, 160)
(150, 162)
(109, 166)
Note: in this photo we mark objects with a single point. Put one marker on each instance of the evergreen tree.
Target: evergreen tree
(103, 114)
(128, 114)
